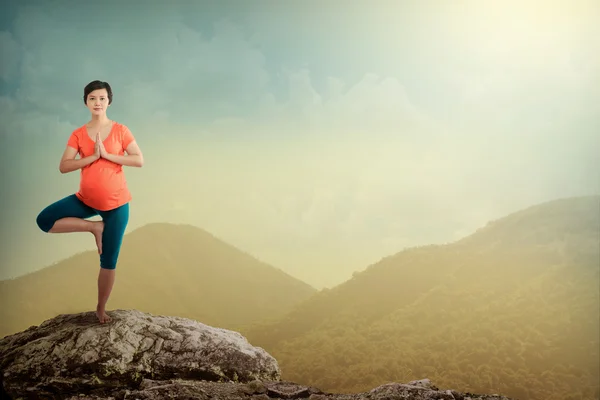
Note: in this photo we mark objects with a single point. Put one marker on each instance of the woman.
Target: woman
(101, 145)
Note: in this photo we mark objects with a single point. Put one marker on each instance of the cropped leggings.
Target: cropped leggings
(115, 222)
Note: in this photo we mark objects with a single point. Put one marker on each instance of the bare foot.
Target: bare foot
(102, 315)
(97, 231)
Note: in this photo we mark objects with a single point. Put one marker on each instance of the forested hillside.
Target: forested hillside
(512, 309)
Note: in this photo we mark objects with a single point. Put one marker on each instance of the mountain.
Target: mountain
(164, 268)
(512, 309)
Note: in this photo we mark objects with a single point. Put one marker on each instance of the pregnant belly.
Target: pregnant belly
(102, 183)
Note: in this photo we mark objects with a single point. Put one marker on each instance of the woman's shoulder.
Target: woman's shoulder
(79, 130)
(120, 127)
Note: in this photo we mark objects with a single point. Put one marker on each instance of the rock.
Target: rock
(425, 383)
(139, 356)
(277, 390)
(76, 354)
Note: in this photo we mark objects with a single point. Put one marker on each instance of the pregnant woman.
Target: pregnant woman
(101, 145)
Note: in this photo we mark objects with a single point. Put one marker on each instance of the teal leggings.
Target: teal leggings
(115, 222)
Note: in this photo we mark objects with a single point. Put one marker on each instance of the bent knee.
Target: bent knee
(44, 222)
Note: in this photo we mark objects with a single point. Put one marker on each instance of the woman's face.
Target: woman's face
(97, 101)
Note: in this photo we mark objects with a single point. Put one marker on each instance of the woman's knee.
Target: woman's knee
(69, 206)
(109, 266)
(45, 221)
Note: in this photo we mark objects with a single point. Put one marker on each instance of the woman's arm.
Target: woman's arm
(134, 157)
(68, 163)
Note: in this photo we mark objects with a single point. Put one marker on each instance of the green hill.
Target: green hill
(512, 309)
(165, 269)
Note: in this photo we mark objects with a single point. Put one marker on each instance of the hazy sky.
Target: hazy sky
(318, 139)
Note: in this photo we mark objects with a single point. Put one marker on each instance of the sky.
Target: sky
(319, 137)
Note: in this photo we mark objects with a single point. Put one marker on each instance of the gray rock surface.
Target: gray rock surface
(145, 357)
(264, 390)
(74, 353)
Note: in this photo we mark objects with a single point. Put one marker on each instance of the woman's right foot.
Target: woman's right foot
(97, 231)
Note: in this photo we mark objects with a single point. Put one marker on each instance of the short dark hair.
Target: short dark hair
(95, 85)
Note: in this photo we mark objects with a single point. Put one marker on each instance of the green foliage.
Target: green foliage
(513, 309)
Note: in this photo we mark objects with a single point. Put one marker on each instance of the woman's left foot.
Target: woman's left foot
(97, 231)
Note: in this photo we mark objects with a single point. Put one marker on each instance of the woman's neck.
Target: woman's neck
(99, 120)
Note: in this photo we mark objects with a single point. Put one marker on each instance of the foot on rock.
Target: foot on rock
(102, 315)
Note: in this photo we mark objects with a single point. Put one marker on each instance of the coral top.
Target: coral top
(103, 185)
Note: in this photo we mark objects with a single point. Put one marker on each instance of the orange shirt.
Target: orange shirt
(102, 185)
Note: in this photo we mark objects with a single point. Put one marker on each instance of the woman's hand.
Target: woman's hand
(97, 153)
(101, 150)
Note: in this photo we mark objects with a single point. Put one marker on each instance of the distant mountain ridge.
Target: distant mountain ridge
(571, 215)
(512, 308)
(172, 269)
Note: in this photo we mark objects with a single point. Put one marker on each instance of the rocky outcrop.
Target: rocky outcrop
(142, 356)
(74, 353)
(279, 390)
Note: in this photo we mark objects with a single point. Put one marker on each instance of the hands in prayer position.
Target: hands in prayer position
(100, 151)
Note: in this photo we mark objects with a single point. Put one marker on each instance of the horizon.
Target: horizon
(318, 146)
(379, 259)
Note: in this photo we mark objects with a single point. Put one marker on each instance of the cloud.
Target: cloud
(9, 60)
(542, 62)
(318, 146)
(173, 68)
